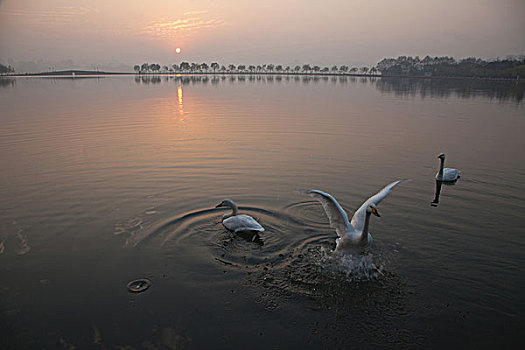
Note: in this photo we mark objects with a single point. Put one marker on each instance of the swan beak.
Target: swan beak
(218, 205)
(375, 212)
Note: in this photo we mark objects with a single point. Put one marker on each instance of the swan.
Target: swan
(238, 223)
(446, 174)
(351, 233)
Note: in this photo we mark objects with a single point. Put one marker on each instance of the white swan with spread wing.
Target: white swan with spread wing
(351, 233)
(238, 223)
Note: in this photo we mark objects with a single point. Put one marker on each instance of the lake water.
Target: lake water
(109, 179)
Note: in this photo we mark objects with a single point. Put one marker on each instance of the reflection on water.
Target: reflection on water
(437, 193)
(230, 78)
(7, 82)
(179, 95)
(435, 202)
(445, 88)
(433, 88)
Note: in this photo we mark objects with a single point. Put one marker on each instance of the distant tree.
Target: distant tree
(270, 67)
(165, 68)
(195, 67)
(364, 70)
(344, 69)
(354, 70)
(136, 68)
(297, 69)
(144, 67)
(316, 68)
(306, 68)
(231, 67)
(185, 66)
(373, 70)
(223, 69)
(175, 67)
(278, 68)
(6, 69)
(251, 68)
(472, 60)
(154, 67)
(214, 66)
(325, 70)
(440, 66)
(287, 69)
(241, 67)
(259, 68)
(334, 69)
(204, 67)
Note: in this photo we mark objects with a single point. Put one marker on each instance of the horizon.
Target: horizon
(115, 36)
(510, 67)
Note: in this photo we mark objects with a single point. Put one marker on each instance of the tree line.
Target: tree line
(444, 66)
(509, 68)
(512, 67)
(187, 67)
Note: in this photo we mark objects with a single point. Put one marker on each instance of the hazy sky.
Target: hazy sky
(321, 32)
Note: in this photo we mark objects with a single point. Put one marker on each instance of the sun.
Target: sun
(177, 50)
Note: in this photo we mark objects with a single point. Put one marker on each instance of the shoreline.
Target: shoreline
(84, 73)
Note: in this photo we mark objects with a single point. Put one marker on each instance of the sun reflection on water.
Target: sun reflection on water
(181, 105)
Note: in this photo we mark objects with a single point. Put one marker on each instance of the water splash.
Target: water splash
(355, 266)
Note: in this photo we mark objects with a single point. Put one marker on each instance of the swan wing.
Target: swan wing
(358, 220)
(450, 174)
(240, 223)
(336, 214)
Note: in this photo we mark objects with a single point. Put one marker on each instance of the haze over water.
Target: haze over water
(105, 180)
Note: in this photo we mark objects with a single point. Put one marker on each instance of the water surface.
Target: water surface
(110, 179)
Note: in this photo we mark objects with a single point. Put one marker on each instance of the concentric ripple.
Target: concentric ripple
(296, 245)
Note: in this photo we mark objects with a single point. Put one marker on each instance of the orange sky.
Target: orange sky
(256, 32)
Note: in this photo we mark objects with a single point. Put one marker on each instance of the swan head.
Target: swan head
(226, 203)
(441, 156)
(372, 209)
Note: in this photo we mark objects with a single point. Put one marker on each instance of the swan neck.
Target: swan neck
(364, 234)
(441, 165)
(234, 208)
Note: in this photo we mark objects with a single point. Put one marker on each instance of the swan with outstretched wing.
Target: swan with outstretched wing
(352, 233)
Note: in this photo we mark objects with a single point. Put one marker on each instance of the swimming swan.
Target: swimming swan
(238, 223)
(354, 233)
(446, 174)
